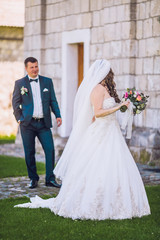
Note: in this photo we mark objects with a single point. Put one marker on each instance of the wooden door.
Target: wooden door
(80, 62)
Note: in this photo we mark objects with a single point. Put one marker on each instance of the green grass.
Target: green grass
(7, 139)
(41, 224)
(14, 167)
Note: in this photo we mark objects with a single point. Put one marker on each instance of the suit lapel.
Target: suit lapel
(41, 82)
(28, 85)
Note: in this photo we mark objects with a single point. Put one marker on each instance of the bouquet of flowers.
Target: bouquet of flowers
(139, 100)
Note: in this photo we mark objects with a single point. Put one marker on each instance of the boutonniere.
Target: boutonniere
(24, 91)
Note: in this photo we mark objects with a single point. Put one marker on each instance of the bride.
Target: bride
(100, 179)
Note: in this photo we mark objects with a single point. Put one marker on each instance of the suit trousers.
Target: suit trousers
(36, 128)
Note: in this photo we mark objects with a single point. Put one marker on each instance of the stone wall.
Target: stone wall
(11, 68)
(126, 32)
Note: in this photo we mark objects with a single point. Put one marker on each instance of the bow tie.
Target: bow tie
(33, 80)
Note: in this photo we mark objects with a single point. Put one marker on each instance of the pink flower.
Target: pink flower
(126, 95)
(139, 98)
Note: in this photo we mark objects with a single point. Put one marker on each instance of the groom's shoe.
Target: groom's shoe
(33, 184)
(53, 183)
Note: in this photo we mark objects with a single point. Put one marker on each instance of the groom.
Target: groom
(33, 97)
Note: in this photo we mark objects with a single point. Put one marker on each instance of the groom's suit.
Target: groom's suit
(23, 106)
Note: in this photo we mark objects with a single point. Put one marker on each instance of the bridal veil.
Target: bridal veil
(83, 112)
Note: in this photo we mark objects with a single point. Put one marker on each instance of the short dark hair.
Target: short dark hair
(30, 59)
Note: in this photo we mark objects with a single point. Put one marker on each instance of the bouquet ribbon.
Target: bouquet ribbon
(128, 121)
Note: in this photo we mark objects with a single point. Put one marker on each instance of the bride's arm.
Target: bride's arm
(97, 97)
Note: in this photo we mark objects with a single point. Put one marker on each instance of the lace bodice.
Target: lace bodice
(108, 103)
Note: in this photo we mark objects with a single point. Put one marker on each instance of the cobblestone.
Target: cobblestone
(19, 187)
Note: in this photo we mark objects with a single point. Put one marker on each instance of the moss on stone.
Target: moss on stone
(135, 155)
(144, 156)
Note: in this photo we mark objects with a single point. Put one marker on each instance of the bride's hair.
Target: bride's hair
(109, 83)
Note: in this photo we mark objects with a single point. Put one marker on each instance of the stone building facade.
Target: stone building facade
(67, 34)
(11, 59)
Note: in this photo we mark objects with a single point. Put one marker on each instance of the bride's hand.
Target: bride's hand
(125, 103)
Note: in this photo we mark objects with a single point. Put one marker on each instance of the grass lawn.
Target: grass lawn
(15, 167)
(41, 224)
(7, 139)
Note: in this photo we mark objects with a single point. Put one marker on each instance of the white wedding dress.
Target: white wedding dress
(101, 179)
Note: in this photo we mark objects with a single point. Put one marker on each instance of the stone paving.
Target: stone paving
(18, 186)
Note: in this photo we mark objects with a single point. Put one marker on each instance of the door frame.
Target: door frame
(68, 39)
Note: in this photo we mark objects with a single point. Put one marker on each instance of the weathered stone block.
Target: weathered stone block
(96, 5)
(153, 46)
(94, 35)
(49, 56)
(147, 28)
(106, 50)
(62, 9)
(36, 27)
(53, 40)
(151, 118)
(138, 121)
(116, 67)
(35, 2)
(125, 30)
(96, 18)
(153, 83)
(93, 51)
(127, 12)
(56, 25)
(120, 13)
(86, 20)
(148, 65)
(96, 51)
(155, 8)
(48, 26)
(85, 6)
(118, 30)
(106, 15)
(123, 82)
(109, 32)
(148, 9)
(102, 20)
(100, 35)
(142, 10)
(53, 70)
(108, 3)
(156, 27)
(112, 14)
(36, 42)
(139, 32)
(141, 83)
(76, 6)
(117, 2)
(154, 99)
(125, 66)
(142, 48)
(139, 66)
(126, 1)
(116, 49)
(157, 65)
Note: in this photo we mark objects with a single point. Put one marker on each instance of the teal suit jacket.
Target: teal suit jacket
(23, 104)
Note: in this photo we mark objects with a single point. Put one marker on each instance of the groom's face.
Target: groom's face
(32, 69)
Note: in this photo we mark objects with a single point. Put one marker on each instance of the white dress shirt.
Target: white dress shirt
(37, 100)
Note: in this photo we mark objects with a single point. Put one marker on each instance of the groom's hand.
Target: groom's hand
(59, 122)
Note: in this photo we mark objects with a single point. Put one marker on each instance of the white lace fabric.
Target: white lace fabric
(101, 180)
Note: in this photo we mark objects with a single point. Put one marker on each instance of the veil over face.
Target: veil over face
(83, 112)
